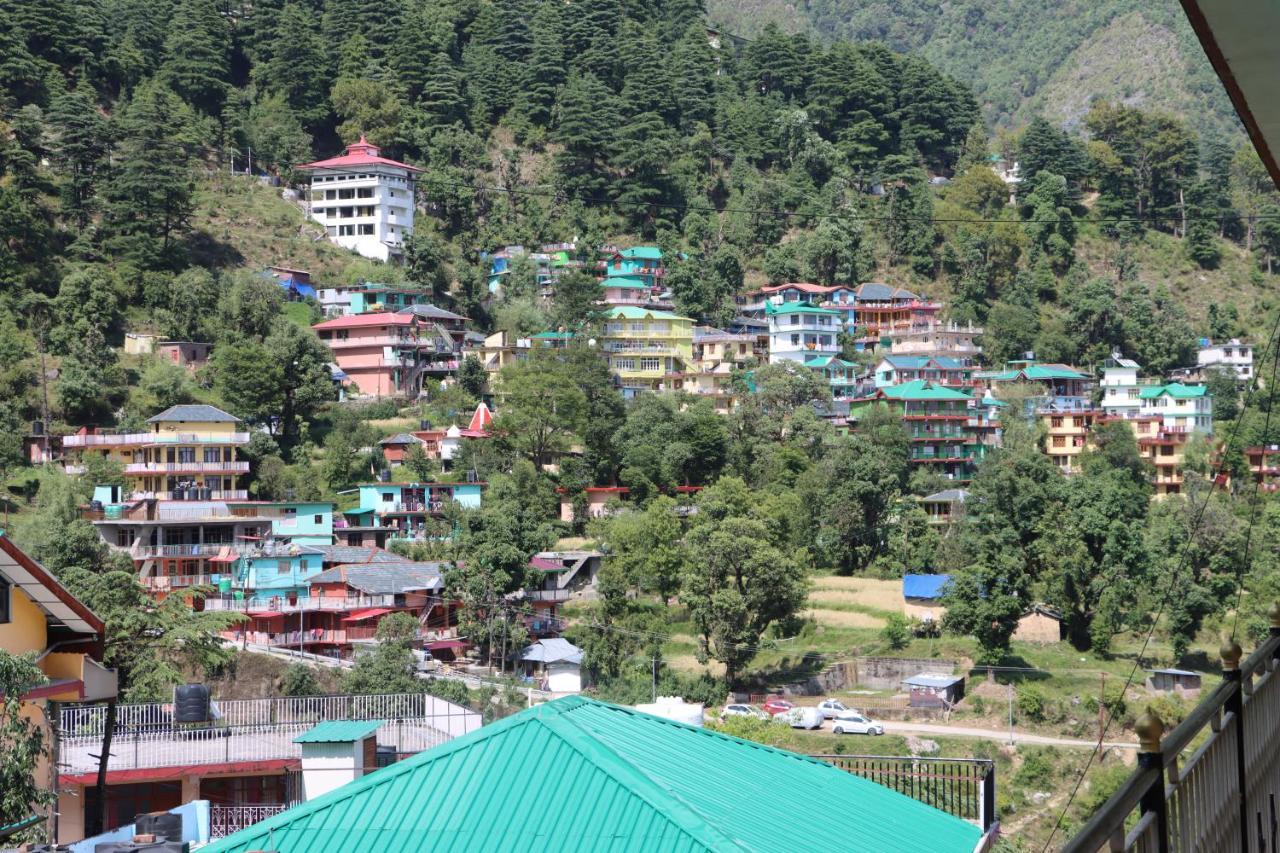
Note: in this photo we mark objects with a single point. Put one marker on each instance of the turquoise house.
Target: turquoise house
(405, 510)
(383, 297)
(281, 561)
(641, 262)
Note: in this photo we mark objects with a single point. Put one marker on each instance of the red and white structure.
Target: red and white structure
(363, 200)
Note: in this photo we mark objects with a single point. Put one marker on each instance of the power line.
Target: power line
(1272, 350)
(555, 193)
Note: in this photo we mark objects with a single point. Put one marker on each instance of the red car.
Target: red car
(774, 707)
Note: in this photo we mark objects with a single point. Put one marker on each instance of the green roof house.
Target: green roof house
(937, 419)
(576, 774)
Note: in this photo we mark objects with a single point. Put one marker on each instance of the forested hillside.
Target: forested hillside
(1024, 57)
(781, 159)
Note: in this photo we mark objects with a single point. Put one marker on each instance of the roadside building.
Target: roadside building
(1181, 682)
(933, 690)
(555, 664)
(1233, 355)
(1041, 625)
(590, 762)
(364, 201)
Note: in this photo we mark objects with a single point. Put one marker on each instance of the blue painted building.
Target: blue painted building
(390, 511)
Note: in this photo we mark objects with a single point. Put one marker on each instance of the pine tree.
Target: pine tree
(584, 125)
(545, 70)
(79, 147)
(1202, 230)
(693, 69)
(297, 55)
(149, 194)
(197, 49)
(592, 38)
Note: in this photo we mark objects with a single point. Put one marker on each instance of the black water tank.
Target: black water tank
(160, 824)
(191, 703)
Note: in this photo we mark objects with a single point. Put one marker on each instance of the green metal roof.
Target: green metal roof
(1174, 389)
(576, 774)
(922, 389)
(339, 731)
(625, 280)
(631, 312)
(797, 308)
(557, 336)
(644, 253)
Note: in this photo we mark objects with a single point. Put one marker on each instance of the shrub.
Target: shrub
(1031, 702)
(1037, 770)
(896, 631)
(300, 680)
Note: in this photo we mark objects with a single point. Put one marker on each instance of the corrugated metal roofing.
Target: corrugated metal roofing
(632, 312)
(1174, 389)
(339, 731)
(646, 253)
(552, 650)
(947, 495)
(194, 412)
(385, 578)
(930, 679)
(921, 389)
(576, 774)
(337, 554)
(923, 586)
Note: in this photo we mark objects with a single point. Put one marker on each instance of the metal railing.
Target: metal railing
(961, 787)
(146, 735)
(225, 820)
(284, 605)
(184, 467)
(1211, 783)
(105, 439)
(142, 552)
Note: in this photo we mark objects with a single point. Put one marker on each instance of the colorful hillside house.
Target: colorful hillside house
(937, 422)
(943, 370)
(801, 331)
(412, 511)
(647, 349)
(642, 262)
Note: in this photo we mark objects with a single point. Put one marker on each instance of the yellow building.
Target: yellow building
(1066, 436)
(716, 354)
(186, 453)
(39, 616)
(647, 349)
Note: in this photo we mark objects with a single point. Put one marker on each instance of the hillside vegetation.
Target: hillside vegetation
(1024, 57)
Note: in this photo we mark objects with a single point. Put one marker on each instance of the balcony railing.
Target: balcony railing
(193, 494)
(1209, 784)
(225, 820)
(146, 736)
(961, 787)
(208, 549)
(283, 605)
(186, 467)
(164, 583)
(105, 439)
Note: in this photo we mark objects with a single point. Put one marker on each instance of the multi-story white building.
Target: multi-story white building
(1121, 388)
(1181, 408)
(801, 331)
(1230, 354)
(363, 200)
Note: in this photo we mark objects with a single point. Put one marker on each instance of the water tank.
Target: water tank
(191, 703)
(37, 427)
(384, 476)
(674, 708)
(163, 825)
(424, 425)
(96, 506)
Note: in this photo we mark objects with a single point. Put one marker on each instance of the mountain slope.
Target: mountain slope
(1025, 56)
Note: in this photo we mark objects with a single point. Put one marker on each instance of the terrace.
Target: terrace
(140, 439)
(146, 735)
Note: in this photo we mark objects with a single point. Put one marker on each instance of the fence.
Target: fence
(1211, 784)
(225, 820)
(146, 735)
(962, 787)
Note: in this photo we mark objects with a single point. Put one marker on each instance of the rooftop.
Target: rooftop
(553, 650)
(194, 412)
(430, 312)
(924, 586)
(921, 389)
(358, 154)
(1174, 389)
(947, 496)
(386, 578)
(643, 253)
(355, 321)
(339, 731)
(931, 679)
(342, 554)
(576, 774)
(631, 312)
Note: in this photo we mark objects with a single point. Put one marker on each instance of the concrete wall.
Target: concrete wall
(1038, 628)
(889, 673)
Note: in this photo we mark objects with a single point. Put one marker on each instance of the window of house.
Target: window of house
(388, 497)
(1055, 423)
(317, 519)
(1059, 441)
(212, 454)
(624, 364)
(795, 340)
(364, 192)
(346, 230)
(650, 364)
(365, 229)
(342, 194)
(186, 454)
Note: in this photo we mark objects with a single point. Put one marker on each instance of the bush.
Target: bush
(300, 680)
(1037, 770)
(1031, 702)
(896, 631)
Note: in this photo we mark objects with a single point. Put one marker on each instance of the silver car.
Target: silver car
(831, 707)
(743, 710)
(851, 722)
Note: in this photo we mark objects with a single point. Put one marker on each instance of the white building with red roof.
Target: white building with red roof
(363, 200)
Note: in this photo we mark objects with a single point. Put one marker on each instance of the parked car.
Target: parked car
(740, 710)
(774, 707)
(854, 723)
(832, 707)
(801, 718)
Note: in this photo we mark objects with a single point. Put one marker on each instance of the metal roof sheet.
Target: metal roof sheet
(57, 603)
(576, 774)
(358, 554)
(339, 731)
(552, 650)
(931, 679)
(385, 578)
(921, 389)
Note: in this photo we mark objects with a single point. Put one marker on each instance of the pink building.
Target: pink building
(387, 355)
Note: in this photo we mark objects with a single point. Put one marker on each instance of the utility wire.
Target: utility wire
(1273, 351)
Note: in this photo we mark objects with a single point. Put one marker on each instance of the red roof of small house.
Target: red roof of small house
(160, 774)
(360, 320)
(481, 419)
(358, 154)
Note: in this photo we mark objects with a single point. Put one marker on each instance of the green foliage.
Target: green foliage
(389, 667)
(21, 794)
(896, 631)
(300, 680)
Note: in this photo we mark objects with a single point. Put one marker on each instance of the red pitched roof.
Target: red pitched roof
(358, 154)
(803, 287)
(360, 320)
(481, 419)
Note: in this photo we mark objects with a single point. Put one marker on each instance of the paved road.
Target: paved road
(900, 728)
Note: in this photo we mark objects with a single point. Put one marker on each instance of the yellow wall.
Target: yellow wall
(26, 631)
(195, 427)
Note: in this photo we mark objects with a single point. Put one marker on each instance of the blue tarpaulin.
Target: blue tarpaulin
(923, 586)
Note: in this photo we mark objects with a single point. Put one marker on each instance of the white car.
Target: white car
(852, 722)
(740, 710)
(832, 707)
(801, 717)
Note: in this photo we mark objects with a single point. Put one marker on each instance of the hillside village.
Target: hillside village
(508, 425)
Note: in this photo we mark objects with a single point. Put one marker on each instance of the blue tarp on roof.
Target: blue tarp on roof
(923, 586)
(304, 290)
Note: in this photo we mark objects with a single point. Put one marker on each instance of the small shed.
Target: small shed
(1178, 681)
(934, 690)
(188, 354)
(395, 448)
(556, 662)
(922, 596)
(335, 752)
(1040, 624)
